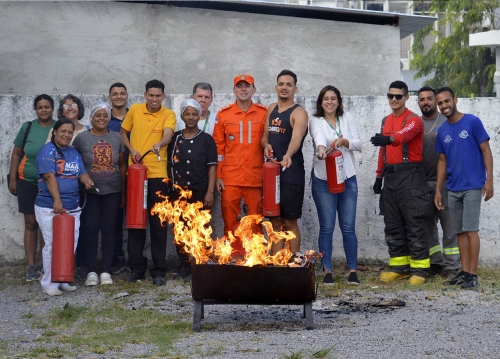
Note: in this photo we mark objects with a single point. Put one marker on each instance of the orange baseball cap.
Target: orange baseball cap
(246, 78)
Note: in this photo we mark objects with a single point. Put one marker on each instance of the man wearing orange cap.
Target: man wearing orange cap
(237, 133)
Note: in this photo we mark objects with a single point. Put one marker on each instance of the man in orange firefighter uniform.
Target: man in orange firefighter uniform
(237, 133)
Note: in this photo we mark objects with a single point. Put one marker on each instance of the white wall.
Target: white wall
(66, 47)
(368, 111)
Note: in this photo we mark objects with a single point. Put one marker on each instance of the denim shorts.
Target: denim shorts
(465, 207)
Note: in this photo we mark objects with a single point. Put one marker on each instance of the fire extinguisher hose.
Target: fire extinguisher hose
(84, 202)
(148, 152)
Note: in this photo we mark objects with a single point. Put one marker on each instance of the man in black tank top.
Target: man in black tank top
(284, 133)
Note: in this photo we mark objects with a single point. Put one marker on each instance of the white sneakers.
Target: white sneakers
(92, 279)
(65, 287)
(106, 278)
(52, 291)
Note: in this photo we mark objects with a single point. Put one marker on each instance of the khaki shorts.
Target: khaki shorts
(465, 207)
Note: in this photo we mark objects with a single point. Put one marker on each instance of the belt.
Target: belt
(401, 167)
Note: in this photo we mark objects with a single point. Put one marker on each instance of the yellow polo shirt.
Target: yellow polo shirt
(146, 129)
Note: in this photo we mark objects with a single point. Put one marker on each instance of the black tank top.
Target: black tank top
(280, 135)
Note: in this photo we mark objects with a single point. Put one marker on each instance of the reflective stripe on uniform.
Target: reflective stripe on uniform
(220, 158)
(241, 131)
(399, 261)
(451, 251)
(420, 263)
(434, 250)
(249, 131)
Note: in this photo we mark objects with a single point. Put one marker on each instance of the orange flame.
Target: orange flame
(192, 232)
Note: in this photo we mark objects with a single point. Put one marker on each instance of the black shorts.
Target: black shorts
(26, 195)
(291, 200)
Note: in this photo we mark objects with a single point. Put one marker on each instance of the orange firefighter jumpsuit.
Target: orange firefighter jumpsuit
(241, 157)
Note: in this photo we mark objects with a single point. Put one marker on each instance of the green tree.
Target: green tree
(467, 70)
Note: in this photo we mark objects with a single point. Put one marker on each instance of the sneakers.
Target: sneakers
(92, 279)
(134, 277)
(66, 287)
(458, 279)
(416, 280)
(392, 276)
(328, 279)
(158, 281)
(32, 274)
(39, 267)
(106, 278)
(118, 265)
(52, 291)
(470, 282)
(353, 279)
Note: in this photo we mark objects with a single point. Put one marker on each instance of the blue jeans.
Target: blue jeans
(327, 205)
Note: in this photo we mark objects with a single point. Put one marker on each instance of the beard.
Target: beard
(426, 111)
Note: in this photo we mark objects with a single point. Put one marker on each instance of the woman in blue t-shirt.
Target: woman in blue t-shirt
(60, 167)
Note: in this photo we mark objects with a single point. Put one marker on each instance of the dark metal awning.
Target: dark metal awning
(408, 24)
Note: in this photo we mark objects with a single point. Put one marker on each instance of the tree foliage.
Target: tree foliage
(467, 70)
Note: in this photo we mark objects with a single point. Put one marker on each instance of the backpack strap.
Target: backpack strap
(26, 133)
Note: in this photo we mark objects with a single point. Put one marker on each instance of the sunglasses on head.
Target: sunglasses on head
(390, 96)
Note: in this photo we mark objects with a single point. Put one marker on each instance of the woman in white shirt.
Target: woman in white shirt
(331, 126)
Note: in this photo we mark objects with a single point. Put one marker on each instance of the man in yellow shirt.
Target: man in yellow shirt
(151, 127)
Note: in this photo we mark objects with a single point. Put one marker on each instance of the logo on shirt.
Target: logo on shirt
(447, 139)
(216, 119)
(275, 126)
(463, 134)
(102, 154)
(156, 129)
(71, 167)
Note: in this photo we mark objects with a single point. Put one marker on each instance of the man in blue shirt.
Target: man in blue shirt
(465, 157)
(118, 96)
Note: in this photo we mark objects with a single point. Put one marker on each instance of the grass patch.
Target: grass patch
(103, 329)
(323, 353)
(28, 315)
(44, 352)
(296, 355)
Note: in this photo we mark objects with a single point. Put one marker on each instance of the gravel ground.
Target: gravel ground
(434, 323)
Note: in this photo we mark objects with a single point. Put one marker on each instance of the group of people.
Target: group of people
(65, 167)
(435, 167)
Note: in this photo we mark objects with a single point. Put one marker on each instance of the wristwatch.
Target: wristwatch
(391, 139)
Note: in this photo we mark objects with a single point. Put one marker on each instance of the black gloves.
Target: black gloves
(381, 140)
(377, 187)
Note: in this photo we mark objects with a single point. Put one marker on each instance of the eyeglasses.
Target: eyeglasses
(73, 106)
(390, 96)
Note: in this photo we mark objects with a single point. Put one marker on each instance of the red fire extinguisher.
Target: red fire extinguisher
(63, 246)
(271, 189)
(137, 194)
(63, 252)
(335, 171)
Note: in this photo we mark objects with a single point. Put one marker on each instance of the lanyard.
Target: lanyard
(206, 121)
(339, 132)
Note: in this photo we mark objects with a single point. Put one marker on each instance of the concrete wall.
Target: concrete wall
(83, 47)
(368, 111)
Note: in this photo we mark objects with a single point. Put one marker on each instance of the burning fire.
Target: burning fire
(191, 231)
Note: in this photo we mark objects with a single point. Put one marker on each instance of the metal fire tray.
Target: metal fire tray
(232, 284)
